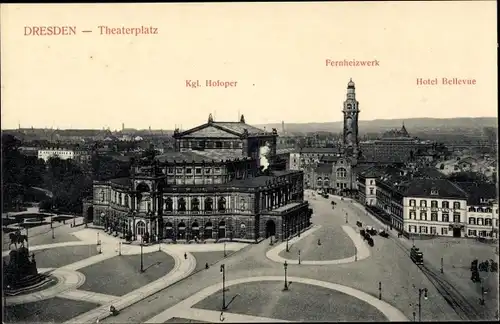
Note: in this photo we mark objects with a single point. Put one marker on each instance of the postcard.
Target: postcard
(249, 162)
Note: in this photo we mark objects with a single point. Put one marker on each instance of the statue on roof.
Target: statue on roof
(242, 119)
(210, 118)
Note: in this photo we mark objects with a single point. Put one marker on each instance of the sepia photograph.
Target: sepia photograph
(249, 162)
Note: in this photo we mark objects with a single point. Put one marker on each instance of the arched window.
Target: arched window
(472, 209)
(319, 182)
(221, 204)
(209, 203)
(102, 196)
(119, 199)
(195, 204)
(472, 221)
(445, 204)
(341, 173)
(169, 204)
(141, 228)
(326, 182)
(456, 205)
(126, 200)
(181, 205)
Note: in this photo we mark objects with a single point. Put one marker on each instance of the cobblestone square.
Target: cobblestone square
(208, 257)
(335, 244)
(120, 275)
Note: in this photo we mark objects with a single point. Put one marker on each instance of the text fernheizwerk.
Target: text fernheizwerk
(354, 63)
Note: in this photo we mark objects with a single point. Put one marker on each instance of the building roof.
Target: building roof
(324, 168)
(121, 181)
(478, 191)
(222, 129)
(319, 150)
(285, 150)
(200, 156)
(424, 188)
(329, 158)
(395, 133)
(429, 173)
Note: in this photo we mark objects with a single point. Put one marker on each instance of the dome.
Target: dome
(350, 84)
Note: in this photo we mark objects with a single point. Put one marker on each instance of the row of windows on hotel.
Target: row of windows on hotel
(456, 218)
(434, 204)
(444, 231)
(211, 144)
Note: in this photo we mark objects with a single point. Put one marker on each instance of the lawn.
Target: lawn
(120, 274)
(48, 310)
(300, 303)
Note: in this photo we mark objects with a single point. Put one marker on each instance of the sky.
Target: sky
(275, 52)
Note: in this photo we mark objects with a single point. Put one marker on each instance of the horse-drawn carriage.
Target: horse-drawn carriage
(366, 237)
(383, 233)
(359, 224)
(371, 230)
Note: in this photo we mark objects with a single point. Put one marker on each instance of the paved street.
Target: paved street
(256, 272)
(386, 264)
(457, 255)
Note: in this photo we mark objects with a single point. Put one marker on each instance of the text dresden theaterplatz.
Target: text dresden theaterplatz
(211, 83)
(49, 30)
(445, 81)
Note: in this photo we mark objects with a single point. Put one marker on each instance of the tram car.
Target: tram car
(416, 256)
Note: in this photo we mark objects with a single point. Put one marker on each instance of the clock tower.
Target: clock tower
(351, 113)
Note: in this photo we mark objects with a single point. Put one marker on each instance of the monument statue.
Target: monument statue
(20, 271)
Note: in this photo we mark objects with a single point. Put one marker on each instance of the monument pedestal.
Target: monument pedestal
(21, 273)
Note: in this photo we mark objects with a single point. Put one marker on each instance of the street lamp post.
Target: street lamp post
(285, 265)
(99, 249)
(27, 236)
(421, 291)
(287, 249)
(142, 262)
(74, 220)
(346, 219)
(53, 236)
(133, 225)
(225, 249)
(380, 290)
(442, 270)
(299, 256)
(223, 270)
(483, 292)
(355, 254)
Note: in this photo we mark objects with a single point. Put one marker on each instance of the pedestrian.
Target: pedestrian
(185, 255)
(206, 265)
